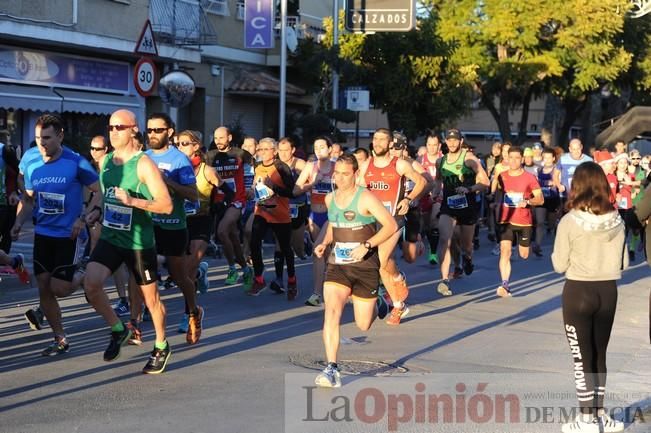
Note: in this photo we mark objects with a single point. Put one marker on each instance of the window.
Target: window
(240, 11)
(217, 7)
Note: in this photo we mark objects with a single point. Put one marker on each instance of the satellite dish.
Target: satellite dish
(176, 88)
(291, 39)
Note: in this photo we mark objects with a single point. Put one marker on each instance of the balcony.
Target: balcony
(183, 22)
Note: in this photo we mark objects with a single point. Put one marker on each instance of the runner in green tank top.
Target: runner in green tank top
(354, 266)
(132, 186)
(461, 176)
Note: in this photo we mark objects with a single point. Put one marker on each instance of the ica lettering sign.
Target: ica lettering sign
(258, 24)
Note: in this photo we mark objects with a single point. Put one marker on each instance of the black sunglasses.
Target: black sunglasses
(119, 127)
(97, 148)
(156, 130)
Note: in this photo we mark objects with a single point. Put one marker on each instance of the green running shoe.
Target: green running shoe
(231, 278)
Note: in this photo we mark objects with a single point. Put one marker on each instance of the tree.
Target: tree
(408, 74)
(511, 51)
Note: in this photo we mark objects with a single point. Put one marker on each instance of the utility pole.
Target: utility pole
(335, 46)
(283, 67)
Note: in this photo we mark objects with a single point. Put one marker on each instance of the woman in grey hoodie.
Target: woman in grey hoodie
(589, 249)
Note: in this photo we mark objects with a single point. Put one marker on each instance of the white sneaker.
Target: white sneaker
(610, 425)
(329, 378)
(580, 426)
(496, 250)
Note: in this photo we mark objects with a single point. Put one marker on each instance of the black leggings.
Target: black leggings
(588, 314)
(283, 233)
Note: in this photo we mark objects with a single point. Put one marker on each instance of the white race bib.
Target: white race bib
(458, 201)
(191, 207)
(50, 203)
(513, 199)
(293, 211)
(117, 217)
(342, 252)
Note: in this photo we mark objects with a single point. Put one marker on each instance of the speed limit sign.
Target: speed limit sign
(145, 76)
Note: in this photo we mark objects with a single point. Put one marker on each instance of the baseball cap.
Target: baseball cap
(537, 145)
(453, 133)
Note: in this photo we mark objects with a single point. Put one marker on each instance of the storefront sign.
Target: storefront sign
(259, 24)
(32, 67)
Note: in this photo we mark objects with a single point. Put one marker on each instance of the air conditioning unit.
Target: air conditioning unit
(216, 7)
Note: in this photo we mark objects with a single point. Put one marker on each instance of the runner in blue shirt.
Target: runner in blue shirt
(54, 187)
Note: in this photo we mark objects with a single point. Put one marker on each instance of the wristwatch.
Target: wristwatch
(368, 245)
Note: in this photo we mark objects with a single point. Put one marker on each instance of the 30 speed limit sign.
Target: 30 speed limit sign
(145, 76)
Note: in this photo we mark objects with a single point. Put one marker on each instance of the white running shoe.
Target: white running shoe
(580, 426)
(610, 425)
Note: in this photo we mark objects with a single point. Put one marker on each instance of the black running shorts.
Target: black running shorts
(363, 281)
(141, 263)
(171, 243)
(519, 234)
(55, 256)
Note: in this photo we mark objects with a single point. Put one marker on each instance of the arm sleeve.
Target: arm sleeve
(186, 175)
(561, 253)
(288, 180)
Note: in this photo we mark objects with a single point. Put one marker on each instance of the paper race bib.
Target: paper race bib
(513, 199)
(622, 203)
(262, 193)
(191, 207)
(458, 201)
(342, 252)
(117, 217)
(323, 186)
(50, 203)
(293, 211)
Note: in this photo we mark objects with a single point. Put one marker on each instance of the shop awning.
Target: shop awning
(96, 103)
(36, 98)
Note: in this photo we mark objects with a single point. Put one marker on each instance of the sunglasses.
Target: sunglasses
(119, 127)
(98, 149)
(186, 143)
(636, 159)
(156, 130)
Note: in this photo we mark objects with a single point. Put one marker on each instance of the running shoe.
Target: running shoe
(121, 308)
(503, 291)
(458, 273)
(19, 267)
(468, 266)
(433, 259)
(34, 317)
(496, 250)
(537, 250)
(184, 324)
(314, 300)
(247, 278)
(231, 278)
(257, 287)
(397, 315)
(118, 339)
(329, 378)
(382, 307)
(136, 334)
(194, 326)
(610, 425)
(57, 347)
(292, 289)
(202, 281)
(276, 286)
(400, 287)
(157, 360)
(580, 426)
(169, 283)
(444, 288)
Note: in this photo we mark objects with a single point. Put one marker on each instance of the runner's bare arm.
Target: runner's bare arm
(149, 175)
(481, 178)
(371, 205)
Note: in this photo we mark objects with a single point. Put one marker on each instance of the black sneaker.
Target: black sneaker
(277, 287)
(157, 360)
(468, 267)
(34, 317)
(58, 346)
(118, 339)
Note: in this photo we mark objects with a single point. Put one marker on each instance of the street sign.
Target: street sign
(145, 76)
(357, 100)
(146, 43)
(380, 15)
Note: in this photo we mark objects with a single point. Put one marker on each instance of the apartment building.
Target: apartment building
(76, 57)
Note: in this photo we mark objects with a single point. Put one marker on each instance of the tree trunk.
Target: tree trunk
(501, 117)
(524, 119)
(572, 108)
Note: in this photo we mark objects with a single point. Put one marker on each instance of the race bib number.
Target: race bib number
(547, 191)
(50, 203)
(458, 201)
(409, 185)
(342, 252)
(622, 203)
(293, 210)
(262, 193)
(322, 187)
(513, 199)
(191, 207)
(231, 184)
(117, 217)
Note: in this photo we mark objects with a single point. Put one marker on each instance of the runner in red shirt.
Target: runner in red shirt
(520, 191)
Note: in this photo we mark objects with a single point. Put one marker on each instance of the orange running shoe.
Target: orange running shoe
(21, 270)
(194, 326)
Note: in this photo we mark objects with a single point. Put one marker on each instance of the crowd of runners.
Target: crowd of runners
(138, 205)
